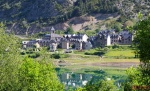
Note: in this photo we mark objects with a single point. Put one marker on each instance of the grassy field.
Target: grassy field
(114, 61)
(75, 58)
(126, 53)
(79, 62)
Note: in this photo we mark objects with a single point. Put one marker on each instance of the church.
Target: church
(51, 40)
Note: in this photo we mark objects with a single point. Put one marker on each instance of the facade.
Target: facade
(110, 37)
(28, 44)
(87, 45)
(65, 44)
(102, 40)
(51, 40)
(80, 41)
(53, 47)
(126, 38)
(75, 41)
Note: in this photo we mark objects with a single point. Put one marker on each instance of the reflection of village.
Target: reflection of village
(75, 80)
(80, 41)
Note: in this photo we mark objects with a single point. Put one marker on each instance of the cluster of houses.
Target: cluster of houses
(80, 41)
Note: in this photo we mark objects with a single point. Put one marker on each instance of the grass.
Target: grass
(91, 69)
(126, 53)
(75, 58)
(81, 63)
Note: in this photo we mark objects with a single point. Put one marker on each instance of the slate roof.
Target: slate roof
(54, 35)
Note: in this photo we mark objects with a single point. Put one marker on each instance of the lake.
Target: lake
(73, 80)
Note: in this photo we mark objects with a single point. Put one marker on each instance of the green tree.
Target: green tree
(118, 27)
(103, 85)
(38, 75)
(141, 76)
(69, 30)
(24, 75)
(143, 43)
(128, 23)
(9, 61)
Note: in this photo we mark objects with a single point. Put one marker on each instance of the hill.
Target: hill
(31, 16)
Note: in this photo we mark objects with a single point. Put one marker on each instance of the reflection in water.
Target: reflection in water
(75, 80)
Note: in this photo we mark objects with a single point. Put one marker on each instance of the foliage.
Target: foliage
(69, 31)
(34, 75)
(34, 55)
(63, 10)
(115, 46)
(143, 43)
(90, 33)
(143, 40)
(128, 23)
(26, 75)
(9, 61)
(103, 85)
(94, 53)
(58, 55)
(140, 76)
(134, 76)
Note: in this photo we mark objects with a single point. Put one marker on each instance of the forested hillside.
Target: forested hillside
(39, 13)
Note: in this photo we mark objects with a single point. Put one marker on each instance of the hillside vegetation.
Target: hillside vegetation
(26, 15)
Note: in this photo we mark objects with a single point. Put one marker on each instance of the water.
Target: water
(74, 80)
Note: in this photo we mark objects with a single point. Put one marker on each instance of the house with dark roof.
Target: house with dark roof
(102, 40)
(76, 41)
(51, 40)
(110, 37)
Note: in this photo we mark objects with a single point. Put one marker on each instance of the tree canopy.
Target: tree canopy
(140, 76)
(24, 74)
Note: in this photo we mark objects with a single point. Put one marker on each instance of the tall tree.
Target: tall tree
(38, 76)
(69, 30)
(140, 77)
(24, 75)
(9, 60)
(143, 46)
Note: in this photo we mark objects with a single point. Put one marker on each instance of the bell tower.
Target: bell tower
(52, 33)
(52, 30)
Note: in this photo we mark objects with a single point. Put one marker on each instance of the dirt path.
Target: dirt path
(103, 64)
(113, 64)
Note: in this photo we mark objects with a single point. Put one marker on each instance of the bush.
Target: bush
(29, 52)
(94, 53)
(115, 46)
(58, 56)
(34, 55)
(22, 53)
(98, 53)
(88, 53)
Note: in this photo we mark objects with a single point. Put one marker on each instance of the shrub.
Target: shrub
(94, 53)
(22, 53)
(34, 55)
(58, 56)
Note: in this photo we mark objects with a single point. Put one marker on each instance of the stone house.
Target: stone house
(75, 41)
(87, 45)
(126, 38)
(110, 37)
(28, 44)
(102, 40)
(51, 40)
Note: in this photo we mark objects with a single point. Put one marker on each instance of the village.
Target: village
(80, 41)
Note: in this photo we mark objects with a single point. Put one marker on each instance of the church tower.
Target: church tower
(52, 30)
(52, 33)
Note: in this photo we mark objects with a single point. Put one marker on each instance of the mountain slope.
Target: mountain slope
(27, 16)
